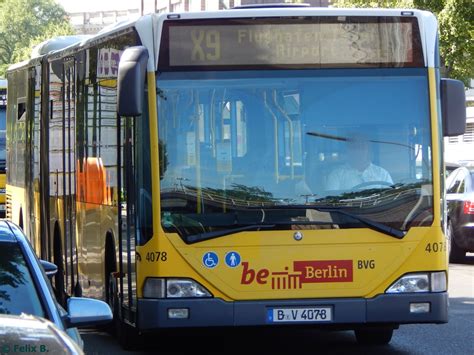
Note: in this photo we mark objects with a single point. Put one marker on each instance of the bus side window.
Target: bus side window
(21, 111)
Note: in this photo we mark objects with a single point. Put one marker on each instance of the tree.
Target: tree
(456, 27)
(456, 22)
(374, 3)
(25, 23)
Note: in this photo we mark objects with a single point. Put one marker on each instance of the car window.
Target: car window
(17, 290)
(453, 182)
(462, 184)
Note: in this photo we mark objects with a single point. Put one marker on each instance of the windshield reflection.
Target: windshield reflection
(233, 143)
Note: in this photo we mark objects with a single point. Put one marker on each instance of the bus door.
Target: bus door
(127, 212)
(68, 178)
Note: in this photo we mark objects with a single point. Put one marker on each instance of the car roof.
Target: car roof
(7, 232)
(468, 168)
(465, 168)
(452, 165)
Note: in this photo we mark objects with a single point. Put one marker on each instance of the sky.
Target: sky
(98, 5)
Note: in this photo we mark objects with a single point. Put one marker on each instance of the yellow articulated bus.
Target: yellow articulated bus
(3, 108)
(249, 167)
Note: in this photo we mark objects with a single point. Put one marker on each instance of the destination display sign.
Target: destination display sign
(374, 41)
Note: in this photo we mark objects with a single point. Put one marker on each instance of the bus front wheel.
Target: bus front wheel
(374, 335)
(127, 336)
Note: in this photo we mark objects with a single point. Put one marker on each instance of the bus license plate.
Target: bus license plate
(307, 314)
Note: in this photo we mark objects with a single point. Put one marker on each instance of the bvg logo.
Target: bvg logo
(320, 271)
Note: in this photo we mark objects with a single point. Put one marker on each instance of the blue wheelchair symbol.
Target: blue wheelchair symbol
(210, 260)
(232, 259)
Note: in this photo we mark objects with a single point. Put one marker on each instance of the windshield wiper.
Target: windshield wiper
(194, 238)
(377, 226)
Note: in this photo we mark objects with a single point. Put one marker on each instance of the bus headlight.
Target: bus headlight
(420, 282)
(178, 288)
(173, 288)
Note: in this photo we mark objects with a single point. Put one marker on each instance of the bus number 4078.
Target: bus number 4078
(156, 256)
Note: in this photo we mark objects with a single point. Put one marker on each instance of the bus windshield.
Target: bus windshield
(285, 148)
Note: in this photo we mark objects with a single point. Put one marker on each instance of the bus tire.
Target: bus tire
(110, 268)
(59, 276)
(374, 335)
(111, 287)
(127, 336)
(112, 301)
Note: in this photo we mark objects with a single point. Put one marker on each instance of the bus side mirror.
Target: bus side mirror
(453, 107)
(50, 269)
(131, 81)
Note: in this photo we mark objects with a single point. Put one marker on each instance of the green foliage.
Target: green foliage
(431, 5)
(435, 6)
(25, 23)
(456, 27)
(374, 3)
(456, 23)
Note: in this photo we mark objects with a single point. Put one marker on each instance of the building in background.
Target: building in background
(91, 22)
(211, 5)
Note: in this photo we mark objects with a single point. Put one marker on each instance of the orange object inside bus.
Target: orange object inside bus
(92, 182)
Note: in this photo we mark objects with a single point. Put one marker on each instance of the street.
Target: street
(456, 337)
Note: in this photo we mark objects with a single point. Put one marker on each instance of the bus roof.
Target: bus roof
(56, 43)
(149, 28)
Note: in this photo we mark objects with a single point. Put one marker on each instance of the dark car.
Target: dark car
(460, 199)
(30, 334)
(25, 287)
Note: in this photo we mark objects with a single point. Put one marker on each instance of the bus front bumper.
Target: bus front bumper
(154, 314)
